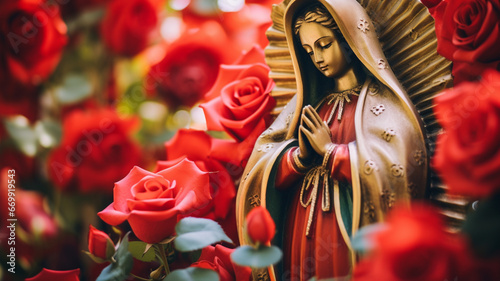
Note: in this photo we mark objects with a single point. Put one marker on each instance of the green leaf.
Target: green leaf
(110, 249)
(94, 258)
(132, 98)
(22, 134)
(139, 250)
(48, 133)
(192, 274)
(363, 239)
(120, 269)
(197, 233)
(261, 257)
(205, 7)
(74, 88)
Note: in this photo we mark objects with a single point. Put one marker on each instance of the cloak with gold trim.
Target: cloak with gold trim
(389, 161)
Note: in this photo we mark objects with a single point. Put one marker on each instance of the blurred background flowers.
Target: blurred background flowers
(90, 89)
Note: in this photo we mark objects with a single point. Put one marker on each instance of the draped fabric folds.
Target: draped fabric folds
(381, 141)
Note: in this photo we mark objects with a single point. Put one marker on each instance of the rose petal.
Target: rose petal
(242, 111)
(227, 74)
(486, 20)
(153, 227)
(252, 56)
(192, 179)
(151, 187)
(213, 109)
(224, 190)
(485, 52)
(240, 150)
(122, 191)
(159, 204)
(242, 128)
(258, 70)
(111, 216)
(191, 143)
(444, 29)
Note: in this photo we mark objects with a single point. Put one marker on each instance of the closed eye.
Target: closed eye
(327, 45)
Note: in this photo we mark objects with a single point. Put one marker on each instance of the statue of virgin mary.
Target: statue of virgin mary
(348, 146)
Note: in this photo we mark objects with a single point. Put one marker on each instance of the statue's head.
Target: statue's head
(321, 39)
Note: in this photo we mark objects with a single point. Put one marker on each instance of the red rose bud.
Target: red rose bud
(260, 225)
(100, 245)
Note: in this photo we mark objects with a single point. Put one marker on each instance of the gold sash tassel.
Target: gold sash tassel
(313, 178)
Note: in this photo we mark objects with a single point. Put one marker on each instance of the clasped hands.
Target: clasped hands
(314, 135)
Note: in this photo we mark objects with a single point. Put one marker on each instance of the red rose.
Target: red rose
(468, 32)
(415, 247)
(244, 100)
(33, 36)
(468, 153)
(152, 202)
(196, 146)
(100, 245)
(96, 150)
(127, 25)
(190, 66)
(260, 225)
(51, 275)
(218, 259)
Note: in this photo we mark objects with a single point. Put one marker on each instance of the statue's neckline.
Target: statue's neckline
(340, 98)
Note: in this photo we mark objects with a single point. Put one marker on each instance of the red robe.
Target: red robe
(324, 253)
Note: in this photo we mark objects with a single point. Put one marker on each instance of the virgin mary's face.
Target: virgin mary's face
(324, 48)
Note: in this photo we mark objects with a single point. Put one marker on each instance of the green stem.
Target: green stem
(163, 257)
